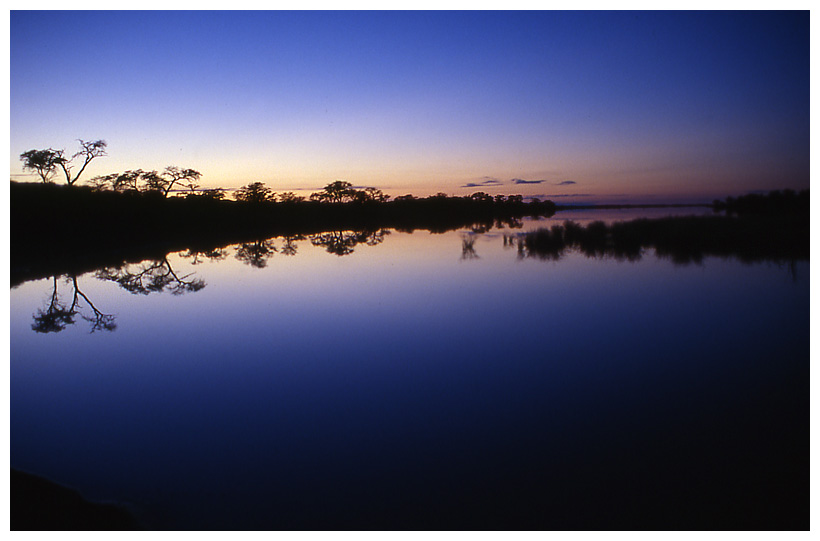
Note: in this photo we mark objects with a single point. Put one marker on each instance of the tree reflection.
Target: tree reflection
(151, 277)
(216, 254)
(468, 247)
(58, 315)
(256, 254)
(342, 242)
(684, 240)
(290, 248)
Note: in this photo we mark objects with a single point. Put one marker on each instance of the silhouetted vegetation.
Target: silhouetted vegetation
(256, 192)
(468, 247)
(58, 230)
(256, 253)
(343, 242)
(127, 216)
(45, 162)
(151, 181)
(682, 239)
(151, 277)
(786, 202)
(58, 315)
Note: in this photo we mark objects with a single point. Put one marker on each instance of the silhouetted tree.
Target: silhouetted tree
(335, 242)
(57, 316)
(372, 238)
(100, 182)
(341, 191)
(45, 162)
(215, 254)
(153, 181)
(90, 150)
(255, 254)
(290, 248)
(151, 277)
(215, 194)
(342, 242)
(338, 191)
(290, 197)
(255, 192)
(150, 181)
(169, 178)
(188, 178)
(122, 182)
(369, 194)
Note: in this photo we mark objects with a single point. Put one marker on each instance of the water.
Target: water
(421, 381)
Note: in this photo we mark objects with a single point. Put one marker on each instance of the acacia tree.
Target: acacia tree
(255, 192)
(45, 162)
(42, 162)
(369, 194)
(341, 191)
(137, 179)
(184, 177)
(290, 197)
(122, 182)
(154, 182)
(172, 176)
(338, 191)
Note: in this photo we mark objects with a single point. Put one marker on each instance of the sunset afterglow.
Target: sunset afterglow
(570, 106)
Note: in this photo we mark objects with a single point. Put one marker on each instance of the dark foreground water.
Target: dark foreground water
(420, 381)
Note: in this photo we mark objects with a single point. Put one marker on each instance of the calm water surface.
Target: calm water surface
(421, 381)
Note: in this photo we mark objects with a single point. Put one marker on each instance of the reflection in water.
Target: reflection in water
(468, 247)
(342, 242)
(255, 254)
(151, 277)
(57, 315)
(214, 254)
(632, 396)
(290, 248)
(683, 240)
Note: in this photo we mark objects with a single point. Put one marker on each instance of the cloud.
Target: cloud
(488, 181)
(566, 183)
(522, 181)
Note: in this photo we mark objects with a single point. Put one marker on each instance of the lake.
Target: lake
(396, 380)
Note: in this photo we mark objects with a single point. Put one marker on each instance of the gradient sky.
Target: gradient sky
(585, 106)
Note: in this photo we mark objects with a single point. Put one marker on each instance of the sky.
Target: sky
(570, 106)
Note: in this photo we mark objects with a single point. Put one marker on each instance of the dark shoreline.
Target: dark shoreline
(38, 504)
(34, 259)
(59, 230)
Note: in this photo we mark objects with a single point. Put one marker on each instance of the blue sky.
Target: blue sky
(577, 105)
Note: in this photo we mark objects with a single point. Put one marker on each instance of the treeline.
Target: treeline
(682, 239)
(52, 222)
(775, 202)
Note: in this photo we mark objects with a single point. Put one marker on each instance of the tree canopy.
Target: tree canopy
(255, 192)
(149, 181)
(45, 162)
(341, 191)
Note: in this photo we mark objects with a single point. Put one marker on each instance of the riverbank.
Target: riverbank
(60, 229)
(37, 504)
